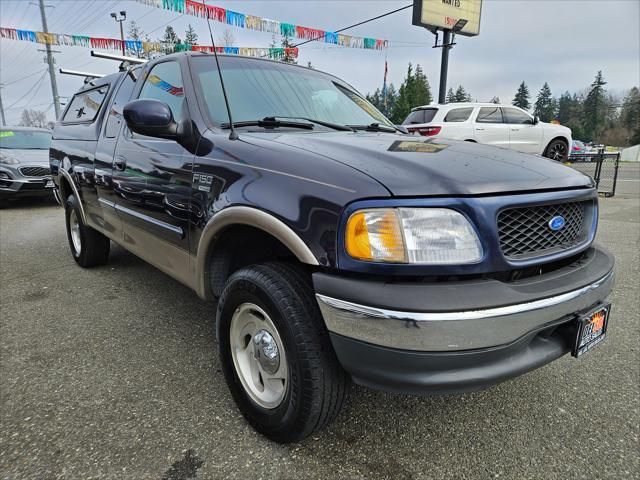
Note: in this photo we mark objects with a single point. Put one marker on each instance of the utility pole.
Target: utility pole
(123, 17)
(4, 120)
(52, 72)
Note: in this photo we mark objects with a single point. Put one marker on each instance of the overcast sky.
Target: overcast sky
(564, 42)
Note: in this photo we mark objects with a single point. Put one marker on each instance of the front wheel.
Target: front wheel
(276, 354)
(557, 150)
(88, 246)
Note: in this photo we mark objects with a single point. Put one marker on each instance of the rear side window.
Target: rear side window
(84, 106)
(114, 118)
(421, 116)
(490, 115)
(458, 115)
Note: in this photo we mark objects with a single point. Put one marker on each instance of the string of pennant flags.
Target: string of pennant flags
(198, 8)
(135, 47)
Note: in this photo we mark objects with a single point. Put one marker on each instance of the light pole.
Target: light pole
(120, 19)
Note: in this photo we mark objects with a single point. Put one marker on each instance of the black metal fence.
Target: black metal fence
(602, 166)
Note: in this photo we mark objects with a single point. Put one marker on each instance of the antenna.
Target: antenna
(232, 135)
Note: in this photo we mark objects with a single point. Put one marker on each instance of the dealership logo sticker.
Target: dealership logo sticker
(556, 223)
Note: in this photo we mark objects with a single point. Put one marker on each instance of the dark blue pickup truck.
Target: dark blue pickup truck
(338, 248)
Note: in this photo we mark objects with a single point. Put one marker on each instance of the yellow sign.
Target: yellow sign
(444, 14)
(6, 133)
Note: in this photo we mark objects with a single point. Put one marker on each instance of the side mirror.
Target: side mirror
(152, 118)
(536, 120)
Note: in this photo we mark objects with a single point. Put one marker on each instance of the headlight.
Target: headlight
(8, 159)
(412, 235)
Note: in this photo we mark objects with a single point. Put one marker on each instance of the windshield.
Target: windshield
(27, 140)
(259, 89)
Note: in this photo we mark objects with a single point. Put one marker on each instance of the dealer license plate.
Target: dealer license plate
(592, 328)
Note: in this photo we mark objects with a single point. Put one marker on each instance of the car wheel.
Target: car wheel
(88, 246)
(276, 354)
(557, 150)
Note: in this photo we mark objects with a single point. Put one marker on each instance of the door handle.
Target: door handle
(120, 164)
(515, 129)
(479, 128)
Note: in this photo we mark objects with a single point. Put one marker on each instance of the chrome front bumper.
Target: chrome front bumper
(453, 329)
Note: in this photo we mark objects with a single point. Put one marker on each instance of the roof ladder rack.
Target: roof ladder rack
(87, 75)
(126, 62)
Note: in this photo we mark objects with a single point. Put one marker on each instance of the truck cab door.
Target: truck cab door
(152, 179)
(490, 128)
(104, 156)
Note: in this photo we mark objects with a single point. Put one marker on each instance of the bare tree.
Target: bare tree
(226, 39)
(33, 118)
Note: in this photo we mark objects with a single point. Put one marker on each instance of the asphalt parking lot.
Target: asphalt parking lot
(113, 373)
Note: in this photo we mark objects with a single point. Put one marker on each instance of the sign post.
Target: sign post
(452, 17)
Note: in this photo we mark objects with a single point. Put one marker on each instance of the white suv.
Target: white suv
(499, 125)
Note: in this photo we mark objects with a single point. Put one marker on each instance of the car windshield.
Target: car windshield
(25, 140)
(259, 89)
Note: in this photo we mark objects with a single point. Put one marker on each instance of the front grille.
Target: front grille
(525, 232)
(35, 171)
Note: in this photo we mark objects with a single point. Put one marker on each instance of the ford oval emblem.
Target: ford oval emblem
(556, 223)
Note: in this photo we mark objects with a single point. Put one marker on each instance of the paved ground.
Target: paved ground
(113, 373)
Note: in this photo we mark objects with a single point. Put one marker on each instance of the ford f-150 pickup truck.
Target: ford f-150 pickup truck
(337, 248)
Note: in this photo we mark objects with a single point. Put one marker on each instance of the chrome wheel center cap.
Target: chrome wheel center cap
(265, 351)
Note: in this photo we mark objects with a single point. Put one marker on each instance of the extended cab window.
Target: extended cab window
(515, 116)
(85, 106)
(114, 119)
(420, 116)
(458, 115)
(164, 83)
(490, 115)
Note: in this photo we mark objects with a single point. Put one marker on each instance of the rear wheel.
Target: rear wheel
(276, 354)
(557, 150)
(88, 246)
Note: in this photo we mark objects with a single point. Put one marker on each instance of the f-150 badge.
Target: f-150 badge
(202, 182)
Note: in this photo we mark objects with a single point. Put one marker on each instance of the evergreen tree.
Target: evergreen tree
(522, 97)
(170, 36)
(414, 91)
(630, 115)
(136, 33)
(462, 95)
(594, 107)
(451, 97)
(190, 36)
(545, 106)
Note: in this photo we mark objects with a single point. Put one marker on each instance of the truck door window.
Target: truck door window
(490, 115)
(114, 118)
(164, 83)
(84, 106)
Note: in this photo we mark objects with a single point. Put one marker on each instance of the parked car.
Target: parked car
(24, 162)
(577, 147)
(337, 248)
(498, 125)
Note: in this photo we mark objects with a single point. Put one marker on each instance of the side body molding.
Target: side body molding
(67, 175)
(240, 215)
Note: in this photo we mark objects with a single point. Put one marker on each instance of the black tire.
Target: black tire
(557, 150)
(94, 246)
(318, 385)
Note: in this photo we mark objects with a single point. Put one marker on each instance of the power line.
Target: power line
(22, 78)
(38, 82)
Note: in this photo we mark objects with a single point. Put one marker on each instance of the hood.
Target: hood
(34, 157)
(414, 166)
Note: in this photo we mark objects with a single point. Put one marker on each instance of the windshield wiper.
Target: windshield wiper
(375, 127)
(269, 122)
(334, 126)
